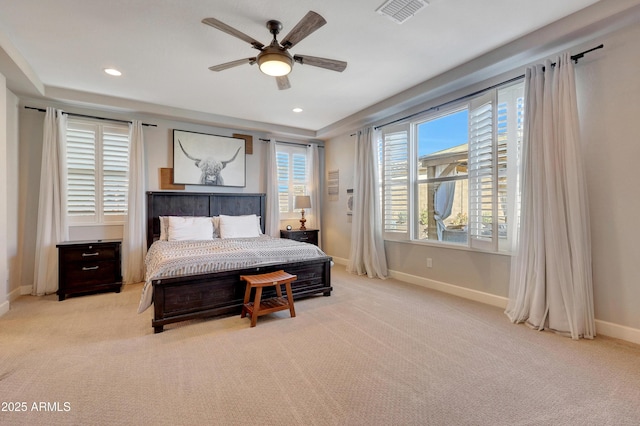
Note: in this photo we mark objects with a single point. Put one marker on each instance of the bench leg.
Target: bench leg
(256, 306)
(247, 295)
(292, 310)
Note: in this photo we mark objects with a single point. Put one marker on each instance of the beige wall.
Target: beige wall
(609, 88)
(609, 106)
(4, 282)
(12, 240)
(339, 155)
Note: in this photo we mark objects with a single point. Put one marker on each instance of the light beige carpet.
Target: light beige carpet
(374, 353)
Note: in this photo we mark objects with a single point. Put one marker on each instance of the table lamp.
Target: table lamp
(302, 202)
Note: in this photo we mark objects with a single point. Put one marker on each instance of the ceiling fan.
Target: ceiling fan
(275, 60)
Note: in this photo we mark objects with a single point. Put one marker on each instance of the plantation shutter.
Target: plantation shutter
(115, 160)
(509, 139)
(394, 168)
(504, 116)
(81, 172)
(282, 159)
(299, 164)
(482, 173)
(97, 172)
(292, 176)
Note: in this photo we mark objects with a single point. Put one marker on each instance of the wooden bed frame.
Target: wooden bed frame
(197, 296)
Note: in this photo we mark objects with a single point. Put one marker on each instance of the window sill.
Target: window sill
(450, 246)
(84, 225)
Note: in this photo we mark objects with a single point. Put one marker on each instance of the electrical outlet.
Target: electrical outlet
(429, 262)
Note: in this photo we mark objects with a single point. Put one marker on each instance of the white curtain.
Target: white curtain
(443, 205)
(272, 225)
(134, 243)
(313, 190)
(52, 225)
(367, 254)
(551, 282)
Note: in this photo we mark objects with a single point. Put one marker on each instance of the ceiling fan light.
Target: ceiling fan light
(275, 64)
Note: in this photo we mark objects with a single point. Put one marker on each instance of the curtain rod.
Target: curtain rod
(470, 95)
(290, 143)
(72, 114)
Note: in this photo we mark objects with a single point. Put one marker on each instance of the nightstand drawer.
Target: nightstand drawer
(308, 236)
(89, 274)
(304, 237)
(88, 253)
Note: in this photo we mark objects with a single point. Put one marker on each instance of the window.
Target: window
(450, 176)
(292, 177)
(97, 168)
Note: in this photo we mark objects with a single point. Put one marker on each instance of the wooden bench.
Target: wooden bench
(273, 304)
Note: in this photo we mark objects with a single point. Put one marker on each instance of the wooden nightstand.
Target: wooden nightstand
(309, 236)
(88, 266)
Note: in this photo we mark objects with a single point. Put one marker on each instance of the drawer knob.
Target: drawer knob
(90, 254)
(89, 268)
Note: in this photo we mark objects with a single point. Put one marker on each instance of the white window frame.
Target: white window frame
(495, 241)
(99, 215)
(291, 183)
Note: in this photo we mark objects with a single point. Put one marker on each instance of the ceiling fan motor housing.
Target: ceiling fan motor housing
(275, 60)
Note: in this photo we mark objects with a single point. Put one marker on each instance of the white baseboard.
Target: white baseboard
(25, 290)
(340, 261)
(16, 293)
(618, 331)
(467, 293)
(4, 308)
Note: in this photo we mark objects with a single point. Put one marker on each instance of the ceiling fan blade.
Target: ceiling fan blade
(330, 64)
(232, 64)
(232, 31)
(308, 24)
(283, 82)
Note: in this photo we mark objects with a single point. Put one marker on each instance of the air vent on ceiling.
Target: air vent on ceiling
(401, 10)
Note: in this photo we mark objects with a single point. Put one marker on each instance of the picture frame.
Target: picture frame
(210, 160)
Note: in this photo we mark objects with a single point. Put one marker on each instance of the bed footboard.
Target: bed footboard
(222, 293)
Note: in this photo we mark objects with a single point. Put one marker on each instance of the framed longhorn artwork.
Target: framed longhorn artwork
(203, 159)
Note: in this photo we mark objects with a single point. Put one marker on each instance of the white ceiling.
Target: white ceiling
(164, 51)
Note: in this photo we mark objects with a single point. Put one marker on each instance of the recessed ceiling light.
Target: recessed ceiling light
(113, 71)
(297, 110)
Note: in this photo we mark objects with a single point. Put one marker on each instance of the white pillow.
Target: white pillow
(239, 226)
(216, 226)
(164, 225)
(190, 228)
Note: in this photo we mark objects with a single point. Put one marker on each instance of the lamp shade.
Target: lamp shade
(274, 61)
(302, 202)
(275, 65)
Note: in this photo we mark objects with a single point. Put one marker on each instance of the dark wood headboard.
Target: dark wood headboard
(163, 203)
